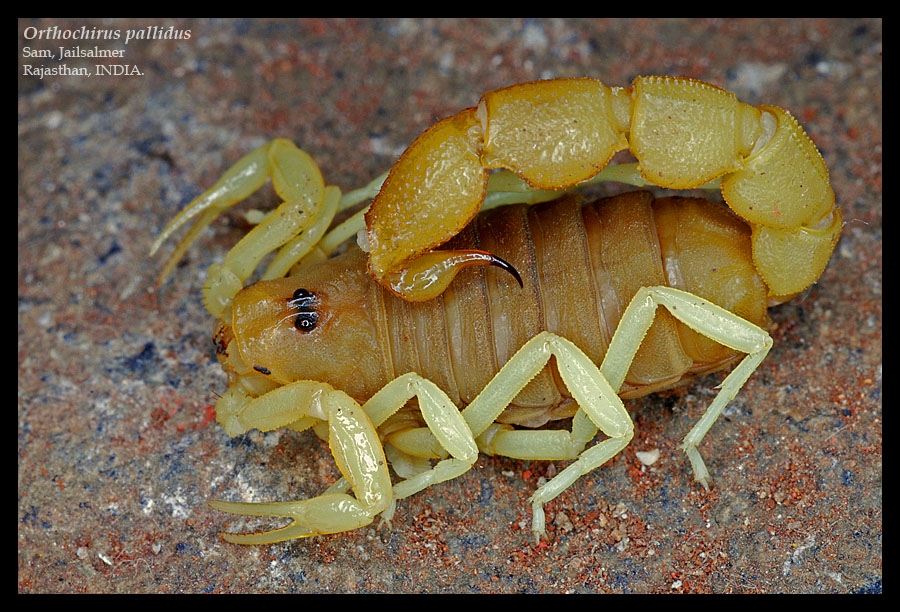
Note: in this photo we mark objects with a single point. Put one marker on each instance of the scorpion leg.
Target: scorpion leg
(601, 409)
(242, 179)
(445, 424)
(354, 444)
(704, 317)
(594, 389)
(356, 448)
(306, 212)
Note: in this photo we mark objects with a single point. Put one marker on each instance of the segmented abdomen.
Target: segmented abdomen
(580, 266)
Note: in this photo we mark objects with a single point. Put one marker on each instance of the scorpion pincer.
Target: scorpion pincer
(462, 312)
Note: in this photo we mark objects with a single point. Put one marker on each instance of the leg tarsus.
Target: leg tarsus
(701, 474)
(587, 462)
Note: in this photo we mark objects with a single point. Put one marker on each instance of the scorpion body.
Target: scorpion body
(580, 267)
(426, 310)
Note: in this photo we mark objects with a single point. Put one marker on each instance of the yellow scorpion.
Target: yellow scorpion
(462, 312)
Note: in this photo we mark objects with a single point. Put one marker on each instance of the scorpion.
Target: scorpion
(444, 332)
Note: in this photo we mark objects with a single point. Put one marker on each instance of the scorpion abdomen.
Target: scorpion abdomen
(580, 266)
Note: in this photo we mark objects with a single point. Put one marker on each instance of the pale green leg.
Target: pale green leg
(327, 513)
(587, 462)
(597, 400)
(305, 239)
(594, 390)
(447, 437)
(301, 220)
(445, 424)
(355, 445)
(706, 318)
(242, 179)
(600, 408)
(725, 328)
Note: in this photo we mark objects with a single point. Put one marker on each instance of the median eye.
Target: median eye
(305, 302)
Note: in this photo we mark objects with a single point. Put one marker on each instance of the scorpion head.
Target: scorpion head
(314, 325)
